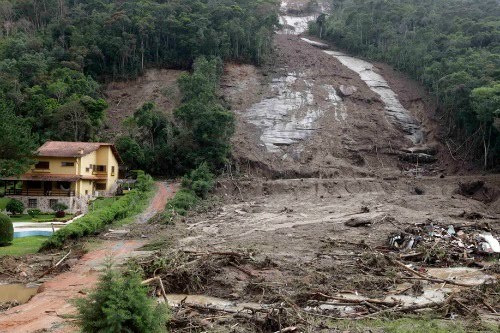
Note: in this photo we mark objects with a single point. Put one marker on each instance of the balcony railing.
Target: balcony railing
(40, 192)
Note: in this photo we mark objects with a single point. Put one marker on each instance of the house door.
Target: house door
(47, 188)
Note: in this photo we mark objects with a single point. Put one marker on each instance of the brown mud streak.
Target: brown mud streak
(47, 309)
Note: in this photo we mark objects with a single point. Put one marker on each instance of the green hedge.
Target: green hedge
(95, 221)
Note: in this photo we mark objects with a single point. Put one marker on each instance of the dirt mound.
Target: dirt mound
(478, 190)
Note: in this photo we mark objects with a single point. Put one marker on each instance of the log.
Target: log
(287, 329)
(429, 278)
(244, 270)
(160, 283)
(55, 266)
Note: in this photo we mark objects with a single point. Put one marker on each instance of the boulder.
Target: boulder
(347, 90)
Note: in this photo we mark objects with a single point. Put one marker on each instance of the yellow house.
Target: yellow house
(68, 172)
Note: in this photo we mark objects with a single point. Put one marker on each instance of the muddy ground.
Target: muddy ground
(299, 235)
(300, 232)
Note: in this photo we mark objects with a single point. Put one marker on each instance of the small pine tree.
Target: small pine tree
(6, 230)
(15, 207)
(120, 304)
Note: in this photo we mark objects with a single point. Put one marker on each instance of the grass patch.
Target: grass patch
(39, 218)
(22, 246)
(140, 206)
(102, 202)
(411, 325)
(3, 203)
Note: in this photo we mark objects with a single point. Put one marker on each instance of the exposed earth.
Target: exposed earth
(329, 170)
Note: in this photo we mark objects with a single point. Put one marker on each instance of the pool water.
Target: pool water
(29, 233)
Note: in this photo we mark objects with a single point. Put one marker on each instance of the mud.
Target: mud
(16, 293)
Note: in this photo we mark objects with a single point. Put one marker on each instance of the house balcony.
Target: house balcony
(40, 192)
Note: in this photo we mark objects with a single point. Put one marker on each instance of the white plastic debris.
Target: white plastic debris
(490, 244)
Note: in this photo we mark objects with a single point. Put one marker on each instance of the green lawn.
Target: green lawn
(44, 217)
(101, 203)
(22, 246)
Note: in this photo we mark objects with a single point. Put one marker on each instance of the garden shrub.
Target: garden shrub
(33, 212)
(59, 208)
(6, 230)
(15, 207)
(121, 304)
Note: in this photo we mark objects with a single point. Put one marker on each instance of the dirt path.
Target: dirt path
(47, 310)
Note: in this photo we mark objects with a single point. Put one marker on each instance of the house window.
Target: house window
(52, 203)
(87, 170)
(99, 168)
(112, 170)
(67, 164)
(32, 203)
(42, 165)
(100, 186)
(86, 192)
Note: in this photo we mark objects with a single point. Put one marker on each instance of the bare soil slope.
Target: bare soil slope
(124, 97)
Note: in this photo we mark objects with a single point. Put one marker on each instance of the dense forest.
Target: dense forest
(451, 46)
(54, 55)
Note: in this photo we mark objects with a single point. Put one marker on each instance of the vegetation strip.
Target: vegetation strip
(95, 221)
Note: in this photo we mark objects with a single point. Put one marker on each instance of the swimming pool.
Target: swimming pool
(28, 233)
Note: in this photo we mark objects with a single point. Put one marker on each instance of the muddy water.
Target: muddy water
(16, 292)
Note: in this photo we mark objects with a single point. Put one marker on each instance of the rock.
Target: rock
(357, 222)
(470, 188)
(424, 149)
(23, 274)
(417, 158)
(419, 191)
(347, 90)
(71, 262)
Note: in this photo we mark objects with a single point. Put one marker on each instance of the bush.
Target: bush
(199, 180)
(34, 212)
(182, 201)
(15, 207)
(59, 207)
(120, 304)
(6, 230)
(60, 214)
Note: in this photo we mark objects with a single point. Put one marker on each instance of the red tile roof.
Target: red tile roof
(72, 149)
